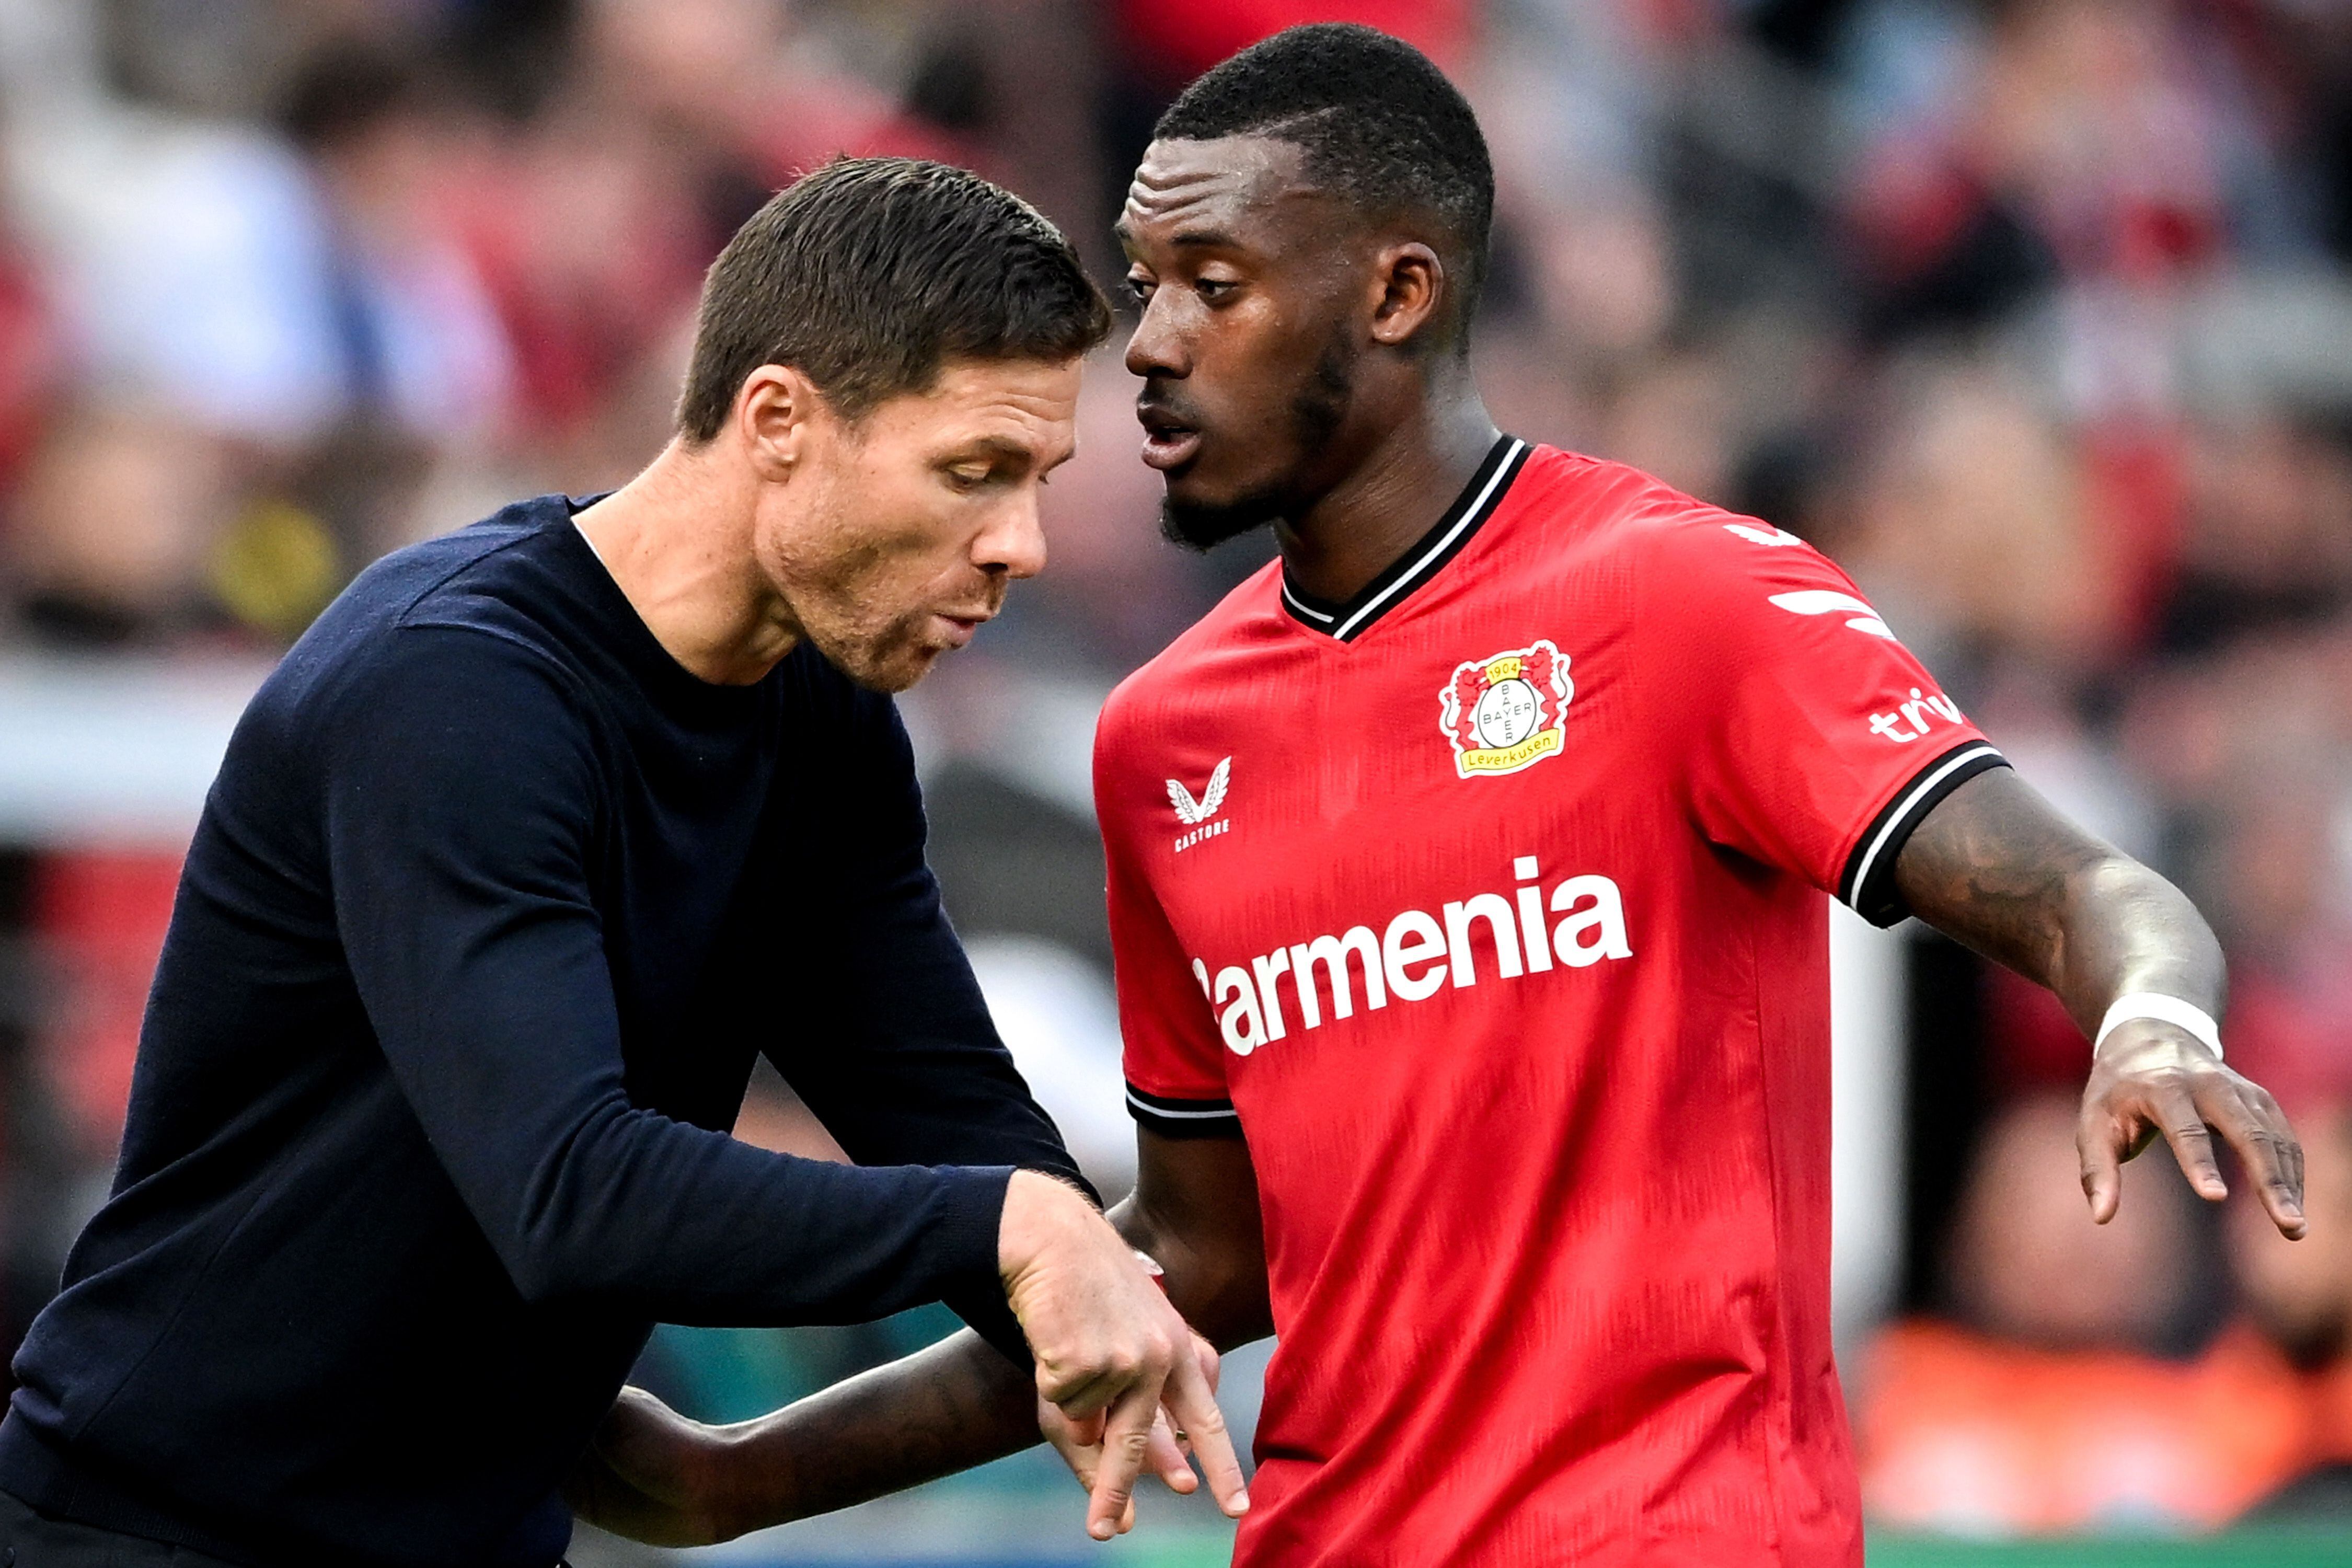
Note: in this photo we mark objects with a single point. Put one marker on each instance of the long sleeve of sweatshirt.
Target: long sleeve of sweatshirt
(462, 894)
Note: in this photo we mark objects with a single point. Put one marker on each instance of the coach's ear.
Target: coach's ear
(1410, 281)
(774, 413)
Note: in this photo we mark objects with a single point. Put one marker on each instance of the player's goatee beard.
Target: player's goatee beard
(1315, 417)
(1203, 528)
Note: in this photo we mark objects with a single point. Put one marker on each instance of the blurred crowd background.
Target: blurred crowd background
(2034, 313)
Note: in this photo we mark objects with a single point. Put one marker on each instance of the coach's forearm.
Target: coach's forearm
(956, 1405)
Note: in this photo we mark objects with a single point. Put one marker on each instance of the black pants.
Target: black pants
(31, 1539)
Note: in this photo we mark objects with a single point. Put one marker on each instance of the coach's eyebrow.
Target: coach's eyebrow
(1000, 447)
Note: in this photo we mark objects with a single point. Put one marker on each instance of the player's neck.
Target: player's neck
(1410, 475)
(677, 541)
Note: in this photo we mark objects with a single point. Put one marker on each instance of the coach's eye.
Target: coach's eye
(966, 478)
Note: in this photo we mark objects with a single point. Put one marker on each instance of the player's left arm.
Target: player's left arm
(1995, 866)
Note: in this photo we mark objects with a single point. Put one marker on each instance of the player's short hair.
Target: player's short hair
(871, 274)
(1379, 122)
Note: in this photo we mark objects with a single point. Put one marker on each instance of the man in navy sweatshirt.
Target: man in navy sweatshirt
(530, 844)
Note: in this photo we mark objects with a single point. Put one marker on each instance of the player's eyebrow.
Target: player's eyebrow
(1189, 238)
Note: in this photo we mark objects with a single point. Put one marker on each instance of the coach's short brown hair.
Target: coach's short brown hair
(871, 274)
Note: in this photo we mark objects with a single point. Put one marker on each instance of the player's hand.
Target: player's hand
(648, 1475)
(1080, 1442)
(1107, 1344)
(2152, 1079)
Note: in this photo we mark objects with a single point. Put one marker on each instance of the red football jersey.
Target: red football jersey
(1489, 908)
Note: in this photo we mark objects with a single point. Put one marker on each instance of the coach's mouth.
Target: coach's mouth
(1167, 443)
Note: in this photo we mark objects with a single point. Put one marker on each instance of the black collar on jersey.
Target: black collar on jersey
(1428, 557)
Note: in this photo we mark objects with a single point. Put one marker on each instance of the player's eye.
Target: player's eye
(1214, 290)
(1140, 288)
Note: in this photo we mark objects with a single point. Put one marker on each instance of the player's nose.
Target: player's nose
(1157, 348)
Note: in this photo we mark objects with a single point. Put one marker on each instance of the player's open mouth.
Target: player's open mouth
(1167, 444)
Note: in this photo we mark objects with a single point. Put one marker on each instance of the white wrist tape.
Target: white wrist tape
(2164, 1010)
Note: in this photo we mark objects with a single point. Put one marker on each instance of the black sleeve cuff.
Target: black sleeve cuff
(1184, 1118)
(984, 1308)
(981, 1303)
(1868, 884)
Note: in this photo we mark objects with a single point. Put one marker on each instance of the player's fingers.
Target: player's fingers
(2290, 1146)
(2266, 1146)
(1085, 1431)
(1195, 1409)
(2101, 1140)
(1080, 1395)
(1083, 1460)
(1077, 1453)
(2183, 1124)
(1126, 1442)
(1165, 1458)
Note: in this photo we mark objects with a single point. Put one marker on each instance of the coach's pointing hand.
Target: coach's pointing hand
(1107, 1344)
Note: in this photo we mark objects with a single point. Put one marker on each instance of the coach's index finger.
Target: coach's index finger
(1193, 1404)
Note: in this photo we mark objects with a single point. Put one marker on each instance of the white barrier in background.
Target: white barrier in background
(1867, 1000)
(114, 751)
(119, 751)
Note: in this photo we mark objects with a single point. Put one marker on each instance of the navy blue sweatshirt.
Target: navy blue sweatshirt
(488, 911)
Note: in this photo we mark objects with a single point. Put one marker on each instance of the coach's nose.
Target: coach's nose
(1013, 542)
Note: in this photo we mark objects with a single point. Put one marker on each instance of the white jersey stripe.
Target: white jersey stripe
(1149, 1109)
(1919, 787)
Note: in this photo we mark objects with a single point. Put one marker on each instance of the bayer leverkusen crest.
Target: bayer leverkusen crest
(1507, 710)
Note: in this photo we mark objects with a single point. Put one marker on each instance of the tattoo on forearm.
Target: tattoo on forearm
(1995, 866)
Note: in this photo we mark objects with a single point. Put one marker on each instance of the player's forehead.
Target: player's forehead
(1235, 191)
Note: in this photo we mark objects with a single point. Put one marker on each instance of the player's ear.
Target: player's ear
(775, 410)
(1412, 281)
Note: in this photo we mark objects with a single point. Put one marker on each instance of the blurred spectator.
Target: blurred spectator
(112, 524)
(2269, 531)
(29, 354)
(2044, 1403)
(1970, 522)
(2299, 1297)
(421, 344)
(99, 918)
